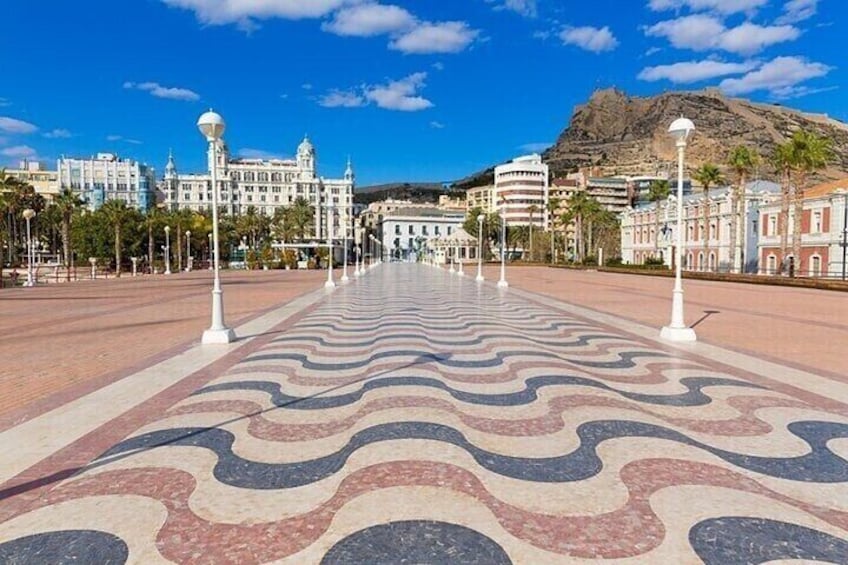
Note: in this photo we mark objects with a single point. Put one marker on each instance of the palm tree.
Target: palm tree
(117, 213)
(782, 160)
(532, 209)
(659, 190)
(301, 217)
(742, 160)
(581, 209)
(67, 202)
(553, 206)
(811, 153)
(708, 175)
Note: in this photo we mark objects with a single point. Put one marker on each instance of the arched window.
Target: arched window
(771, 264)
(712, 261)
(701, 261)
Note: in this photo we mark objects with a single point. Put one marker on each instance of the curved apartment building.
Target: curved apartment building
(520, 185)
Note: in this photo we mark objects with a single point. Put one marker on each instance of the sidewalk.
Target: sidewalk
(418, 414)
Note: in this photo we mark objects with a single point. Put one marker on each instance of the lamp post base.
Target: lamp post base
(479, 278)
(329, 285)
(345, 278)
(218, 336)
(678, 334)
(503, 284)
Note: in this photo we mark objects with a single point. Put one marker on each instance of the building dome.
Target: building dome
(305, 146)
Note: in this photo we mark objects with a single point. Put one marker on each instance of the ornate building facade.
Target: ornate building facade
(265, 184)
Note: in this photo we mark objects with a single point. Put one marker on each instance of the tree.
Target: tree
(117, 214)
(708, 175)
(782, 160)
(67, 203)
(659, 190)
(810, 153)
(532, 209)
(582, 209)
(301, 216)
(742, 160)
(553, 207)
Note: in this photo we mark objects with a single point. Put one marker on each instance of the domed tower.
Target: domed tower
(171, 181)
(349, 176)
(306, 157)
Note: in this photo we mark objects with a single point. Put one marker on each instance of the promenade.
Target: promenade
(420, 417)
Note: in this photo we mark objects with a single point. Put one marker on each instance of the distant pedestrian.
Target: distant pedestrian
(14, 276)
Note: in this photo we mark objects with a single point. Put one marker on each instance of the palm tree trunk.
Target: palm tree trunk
(735, 265)
(796, 225)
(656, 228)
(117, 250)
(150, 246)
(179, 249)
(66, 246)
(706, 227)
(783, 220)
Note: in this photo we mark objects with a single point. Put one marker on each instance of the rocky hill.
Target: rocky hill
(620, 134)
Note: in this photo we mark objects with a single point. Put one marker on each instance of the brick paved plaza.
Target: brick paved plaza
(413, 416)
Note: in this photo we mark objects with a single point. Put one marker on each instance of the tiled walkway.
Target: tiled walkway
(417, 417)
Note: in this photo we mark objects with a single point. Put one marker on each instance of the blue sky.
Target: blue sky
(415, 90)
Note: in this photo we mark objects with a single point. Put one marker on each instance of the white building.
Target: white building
(34, 173)
(410, 231)
(519, 185)
(108, 177)
(266, 184)
(640, 238)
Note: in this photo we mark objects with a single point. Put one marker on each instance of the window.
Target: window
(771, 265)
(411, 229)
(815, 266)
(397, 230)
(817, 223)
(772, 226)
(436, 230)
(411, 242)
(450, 229)
(424, 230)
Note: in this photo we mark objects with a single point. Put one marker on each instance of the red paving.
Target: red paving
(799, 327)
(60, 336)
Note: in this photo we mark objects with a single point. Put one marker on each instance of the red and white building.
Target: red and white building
(641, 240)
(823, 233)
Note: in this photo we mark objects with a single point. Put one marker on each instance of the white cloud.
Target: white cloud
(589, 38)
(19, 151)
(437, 125)
(797, 11)
(341, 99)
(306, 86)
(543, 35)
(439, 66)
(402, 95)
(781, 77)
(159, 91)
(366, 20)
(11, 125)
(526, 8)
(122, 138)
(537, 147)
(248, 153)
(701, 32)
(58, 134)
(4, 102)
(695, 71)
(245, 12)
(725, 7)
(652, 51)
(427, 37)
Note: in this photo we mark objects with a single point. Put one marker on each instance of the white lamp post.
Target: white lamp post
(210, 251)
(134, 265)
(502, 283)
(188, 250)
(680, 129)
(357, 240)
(461, 273)
(345, 278)
(329, 283)
(479, 248)
(167, 250)
(212, 126)
(28, 215)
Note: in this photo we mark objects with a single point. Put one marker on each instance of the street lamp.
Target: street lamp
(502, 283)
(479, 248)
(680, 129)
(209, 235)
(28, 215)
(329, 283)
(188, 250)
(212, 126)
(459, 260)
(167, 250)
(345, 278)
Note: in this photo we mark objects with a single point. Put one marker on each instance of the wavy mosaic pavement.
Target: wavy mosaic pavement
(418, 417)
